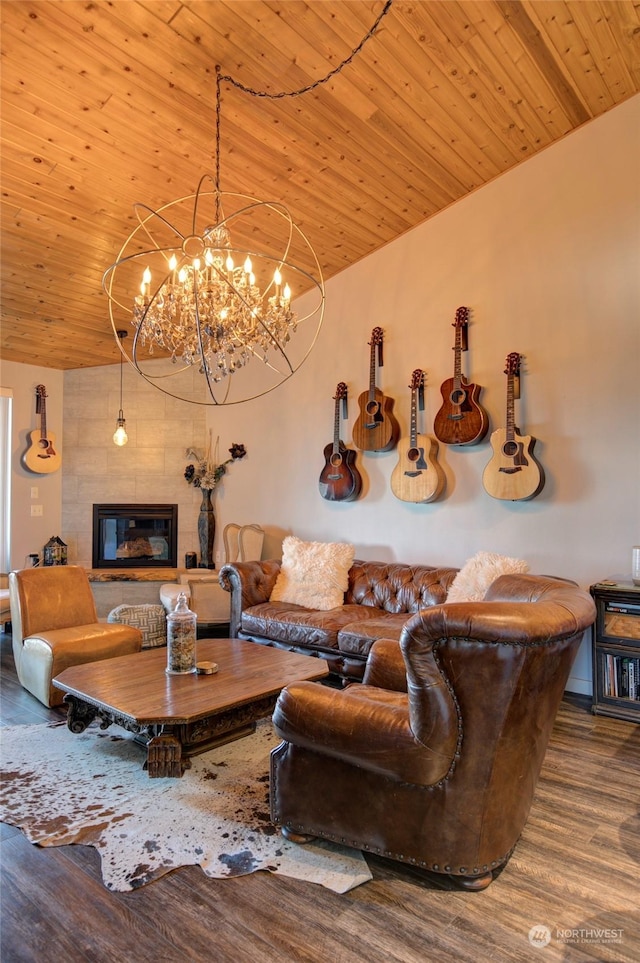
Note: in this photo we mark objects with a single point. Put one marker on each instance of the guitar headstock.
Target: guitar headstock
(462, 317)
(417, 379)
(376, 337)
(513, 364)
(341, 391)
(41, 391)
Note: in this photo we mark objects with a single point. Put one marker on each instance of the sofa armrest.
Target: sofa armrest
(386, 668)
(249, 584)
(366, 727)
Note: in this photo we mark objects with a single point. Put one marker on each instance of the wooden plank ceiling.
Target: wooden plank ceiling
(108, 103)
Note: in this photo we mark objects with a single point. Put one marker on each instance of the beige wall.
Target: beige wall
(546, 258)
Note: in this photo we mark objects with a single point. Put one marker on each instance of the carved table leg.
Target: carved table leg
(164, 757)
(80, 714)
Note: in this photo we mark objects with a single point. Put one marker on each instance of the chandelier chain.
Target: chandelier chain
(226, 78)
(316, 83)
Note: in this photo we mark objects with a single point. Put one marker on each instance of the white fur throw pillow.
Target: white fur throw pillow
(313, 574)
(477, 574)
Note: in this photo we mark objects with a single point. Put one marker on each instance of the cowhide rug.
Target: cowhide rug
(61, 788)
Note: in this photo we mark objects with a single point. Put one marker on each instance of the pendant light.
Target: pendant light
(120, 437)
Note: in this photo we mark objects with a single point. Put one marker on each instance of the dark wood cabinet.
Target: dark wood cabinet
(616, 649)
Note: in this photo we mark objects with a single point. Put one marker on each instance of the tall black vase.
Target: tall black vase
(206, 529)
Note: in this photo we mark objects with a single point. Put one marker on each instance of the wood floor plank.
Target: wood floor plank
(575, 869)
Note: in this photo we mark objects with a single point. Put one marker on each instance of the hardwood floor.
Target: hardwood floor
(575, 870)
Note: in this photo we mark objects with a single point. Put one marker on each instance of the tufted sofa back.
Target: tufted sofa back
(397, 588)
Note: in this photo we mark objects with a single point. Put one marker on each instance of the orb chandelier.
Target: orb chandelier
(201, 299)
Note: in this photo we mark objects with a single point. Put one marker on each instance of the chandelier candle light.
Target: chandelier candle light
(198, 296)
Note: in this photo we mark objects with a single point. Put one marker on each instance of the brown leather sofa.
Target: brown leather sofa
(434, 759)
(380, 598)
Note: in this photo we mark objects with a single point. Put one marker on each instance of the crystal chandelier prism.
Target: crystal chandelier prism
(209, 311)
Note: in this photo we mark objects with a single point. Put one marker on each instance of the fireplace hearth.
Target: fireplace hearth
(135, 536)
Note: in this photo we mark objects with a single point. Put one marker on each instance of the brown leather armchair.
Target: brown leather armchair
(55, 625)
(434, 759)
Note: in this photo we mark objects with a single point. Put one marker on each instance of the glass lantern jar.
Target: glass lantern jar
(181, 638)
(55, 552)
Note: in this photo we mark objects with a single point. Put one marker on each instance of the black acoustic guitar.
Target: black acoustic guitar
(340, 480)
(376, 427)
(461, 420)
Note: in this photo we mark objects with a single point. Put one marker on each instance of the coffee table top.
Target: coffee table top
(138, 688)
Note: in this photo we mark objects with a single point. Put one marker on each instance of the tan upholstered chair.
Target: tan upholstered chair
(206, 597)
(55, 625)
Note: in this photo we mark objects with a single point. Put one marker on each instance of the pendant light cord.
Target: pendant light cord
(120, 385)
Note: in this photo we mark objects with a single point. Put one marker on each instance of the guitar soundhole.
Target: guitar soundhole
(510, 448)
(336, 460)
(372, 408)
(458, 397)
(413, 454)
(43, 443)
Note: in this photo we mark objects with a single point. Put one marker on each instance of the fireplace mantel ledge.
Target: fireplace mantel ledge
(134, 574)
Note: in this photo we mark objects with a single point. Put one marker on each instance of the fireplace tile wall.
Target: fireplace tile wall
(149, 469)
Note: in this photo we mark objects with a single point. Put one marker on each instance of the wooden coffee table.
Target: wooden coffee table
(178, 716)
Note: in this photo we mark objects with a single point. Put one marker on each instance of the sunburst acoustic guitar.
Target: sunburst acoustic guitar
(41, 455)
(417, 477)
(513, 474)
(340, 480)
(461, 420)
(376, 427)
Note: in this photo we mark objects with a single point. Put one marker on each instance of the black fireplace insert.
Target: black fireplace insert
(135, 536)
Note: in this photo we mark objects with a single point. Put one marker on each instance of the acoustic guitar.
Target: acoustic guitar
(417, 477)
(461, 420)
(513, 473)
(340, 480)
(41, 455)
(376, 427)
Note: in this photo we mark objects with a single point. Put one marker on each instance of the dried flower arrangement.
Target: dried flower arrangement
(206, 471)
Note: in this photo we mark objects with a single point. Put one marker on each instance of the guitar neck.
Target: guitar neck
(336, 427)
(457, 359)
(41, 409)
(414, 419)
(372, 372)
(510, 420)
